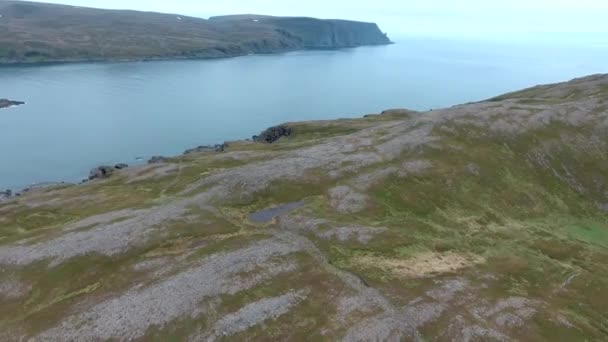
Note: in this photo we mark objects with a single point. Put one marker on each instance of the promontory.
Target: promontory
(5, 103)
(87, 34)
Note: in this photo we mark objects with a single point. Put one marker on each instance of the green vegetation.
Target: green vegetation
(512, 218)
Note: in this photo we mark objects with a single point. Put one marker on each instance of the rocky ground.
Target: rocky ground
(480, 222)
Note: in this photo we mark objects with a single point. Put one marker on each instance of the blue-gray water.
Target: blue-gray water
(81, 115)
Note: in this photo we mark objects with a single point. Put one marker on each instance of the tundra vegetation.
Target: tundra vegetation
(485, 221)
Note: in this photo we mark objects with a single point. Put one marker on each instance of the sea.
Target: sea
(78, 116)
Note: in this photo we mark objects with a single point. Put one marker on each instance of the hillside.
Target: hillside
(485, 221)
(39, 32)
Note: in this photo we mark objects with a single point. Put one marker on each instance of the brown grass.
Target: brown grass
(421, 265)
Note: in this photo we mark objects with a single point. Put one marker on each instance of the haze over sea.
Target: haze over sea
(78, 116)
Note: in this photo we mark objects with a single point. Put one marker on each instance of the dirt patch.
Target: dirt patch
(421, 265)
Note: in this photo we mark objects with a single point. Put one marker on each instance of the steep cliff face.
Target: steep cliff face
(38, 32)
(316, 33)
(312, 33)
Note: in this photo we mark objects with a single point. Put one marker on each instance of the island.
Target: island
(480, 222)
(89, 34)
(5, 103)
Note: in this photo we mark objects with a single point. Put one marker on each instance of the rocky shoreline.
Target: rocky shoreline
(483, 221)
(270, 135)
(5, 63)
(5, 103)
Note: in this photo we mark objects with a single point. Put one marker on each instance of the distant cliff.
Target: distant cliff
(311, 33)
(39, 32)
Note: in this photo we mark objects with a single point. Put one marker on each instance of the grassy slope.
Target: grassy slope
(37, 32)
(518, 213)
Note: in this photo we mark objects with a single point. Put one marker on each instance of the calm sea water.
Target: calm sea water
(81, 115)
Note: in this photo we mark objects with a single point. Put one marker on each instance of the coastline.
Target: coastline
(9, 64)
(14, 193)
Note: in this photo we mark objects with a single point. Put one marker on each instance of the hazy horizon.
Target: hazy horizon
(521, 19)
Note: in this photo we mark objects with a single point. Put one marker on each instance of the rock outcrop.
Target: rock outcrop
(273, 134)
(101, 172)
(4, 103)
(6, 194)
(207, 148)
(105, 171)
(157, 159)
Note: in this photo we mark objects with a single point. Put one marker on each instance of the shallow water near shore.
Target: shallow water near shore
(78, 116)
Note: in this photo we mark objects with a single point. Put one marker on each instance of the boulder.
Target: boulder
(273, 134)
(7, 194)
(198, 149)
(101, 172)
(208, 148)
(158, 159)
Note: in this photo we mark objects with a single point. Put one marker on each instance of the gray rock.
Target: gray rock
(157, 159)
(128, 316)
(121, 166)
(208, 148)
(417, 167)
(255, 314)
(473, 169)
(7, 194)
(345, 200)
(362, 234)
(101, 172)
(13, 288)
(273, 134)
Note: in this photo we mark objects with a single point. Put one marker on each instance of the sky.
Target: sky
(475, 18)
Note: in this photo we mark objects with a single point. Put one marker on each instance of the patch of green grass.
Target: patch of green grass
(55, 290)
(590, 232)
(533, 228)
(303, 132)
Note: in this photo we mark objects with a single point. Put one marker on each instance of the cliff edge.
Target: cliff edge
(33, 32)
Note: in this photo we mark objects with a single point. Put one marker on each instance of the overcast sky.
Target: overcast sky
(417, 17)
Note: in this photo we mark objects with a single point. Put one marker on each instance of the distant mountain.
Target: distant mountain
(40, 32)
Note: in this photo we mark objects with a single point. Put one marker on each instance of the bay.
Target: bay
(78, 116)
